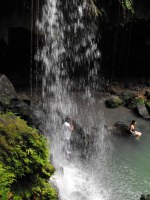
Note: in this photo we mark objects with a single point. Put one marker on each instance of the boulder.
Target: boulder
(128, 99)
(119, 128)
(37, 119)
(21, 108)
(7, 90)
(132, 104)
(145, 197)
(34, 117)
(113, 101)
(143, 111)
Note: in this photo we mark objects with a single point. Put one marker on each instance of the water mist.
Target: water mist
(70, 60)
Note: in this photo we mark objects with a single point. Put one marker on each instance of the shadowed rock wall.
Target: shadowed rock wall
(125, 47)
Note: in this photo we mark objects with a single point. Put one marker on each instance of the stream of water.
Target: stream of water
(114, 168)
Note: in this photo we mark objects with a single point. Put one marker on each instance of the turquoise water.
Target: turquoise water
(129, 164)
(118, 168)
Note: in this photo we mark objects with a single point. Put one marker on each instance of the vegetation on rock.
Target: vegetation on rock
(24, 161)
(113, 102)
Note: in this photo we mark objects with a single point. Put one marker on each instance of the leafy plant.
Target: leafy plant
(6, 179)
(25, 153)
(127, 5)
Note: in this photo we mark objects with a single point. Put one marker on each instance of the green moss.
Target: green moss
(113, 102)
(26, 154)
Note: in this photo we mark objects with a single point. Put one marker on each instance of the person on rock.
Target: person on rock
(133, 131)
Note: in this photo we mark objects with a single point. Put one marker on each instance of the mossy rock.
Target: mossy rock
(25, 157)
(132, 103)
(126, 96)
(7, 90)
(113, 102)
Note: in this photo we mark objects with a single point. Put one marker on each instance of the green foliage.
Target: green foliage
(132, 103)
(6, 179)
(24, 152)
(113, 102)
(127, 5)
(127, 98)
(5, 99)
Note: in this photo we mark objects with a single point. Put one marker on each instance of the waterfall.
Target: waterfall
(70, 58)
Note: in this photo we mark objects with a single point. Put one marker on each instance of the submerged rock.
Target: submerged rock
(119, 128)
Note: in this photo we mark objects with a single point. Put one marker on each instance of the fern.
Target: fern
(26, 155)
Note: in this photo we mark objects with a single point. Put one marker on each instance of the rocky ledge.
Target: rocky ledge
(21, 105)
(133, 94)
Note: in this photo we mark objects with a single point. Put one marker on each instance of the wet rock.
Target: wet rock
(119, 128)
(127, 98)
(143, 111)
(33, 116)
(113, 102)
(132, 104)
(37, 119)
(145, 197)
(80, 140)
(21, 108)
(24, 97)
(7, 90)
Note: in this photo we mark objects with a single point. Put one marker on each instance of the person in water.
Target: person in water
(67, 130)
(132, 129)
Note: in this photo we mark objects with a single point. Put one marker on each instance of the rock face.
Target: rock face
(9, 102)
(7, 90)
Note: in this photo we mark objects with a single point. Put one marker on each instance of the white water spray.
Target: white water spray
(70, 60)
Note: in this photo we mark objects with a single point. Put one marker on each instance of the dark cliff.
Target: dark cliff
(124, 43)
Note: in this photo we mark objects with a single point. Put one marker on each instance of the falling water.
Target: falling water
(70, 58)
(69, 48)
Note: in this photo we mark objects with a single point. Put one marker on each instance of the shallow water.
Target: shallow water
(131, 162)
(118, 168)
